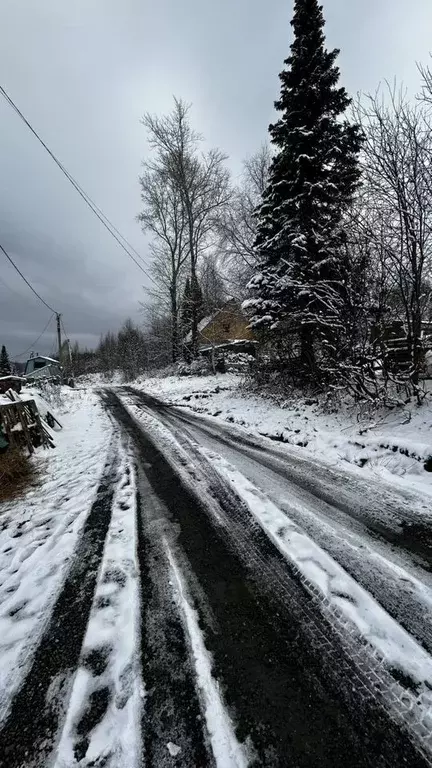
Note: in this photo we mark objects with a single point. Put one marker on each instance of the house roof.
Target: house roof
(43, 357)
(202, 325)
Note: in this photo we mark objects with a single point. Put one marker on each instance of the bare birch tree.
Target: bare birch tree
(163, 217)
(200, 179)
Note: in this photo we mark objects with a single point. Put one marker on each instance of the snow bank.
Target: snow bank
(396, 443)
(38, 535)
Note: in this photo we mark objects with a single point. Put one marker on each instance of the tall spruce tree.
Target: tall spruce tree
(5, 366)
(313, 176)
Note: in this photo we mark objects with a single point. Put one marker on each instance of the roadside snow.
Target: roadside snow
(394, 445)
(109, 662)
(38, 534)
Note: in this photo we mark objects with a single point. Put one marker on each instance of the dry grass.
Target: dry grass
(17, 472)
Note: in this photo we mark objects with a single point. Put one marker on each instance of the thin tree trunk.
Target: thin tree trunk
(174, 326)
(307, 355)
(194, 312)
(416, 346)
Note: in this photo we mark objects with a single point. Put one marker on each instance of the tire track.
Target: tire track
(371, 675)
(286, 674)
(102, 725)
(30, 730)
(383, 518)
(171, 713)
(408, 605)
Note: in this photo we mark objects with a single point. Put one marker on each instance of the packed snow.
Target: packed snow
(112, 638)
(39, 533)
(390, 443)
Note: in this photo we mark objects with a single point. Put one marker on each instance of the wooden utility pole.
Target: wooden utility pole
(59, 341)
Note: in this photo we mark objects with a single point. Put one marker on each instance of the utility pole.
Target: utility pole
(59, 341)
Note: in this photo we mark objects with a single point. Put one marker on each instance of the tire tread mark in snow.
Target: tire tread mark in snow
(375, 681)
(29, 733)
(400, 605)
(282, 666)
(171, 711)
(412, 535)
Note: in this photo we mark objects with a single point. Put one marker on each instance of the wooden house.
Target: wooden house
(226, 330)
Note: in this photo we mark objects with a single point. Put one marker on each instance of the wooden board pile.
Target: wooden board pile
(22, 425)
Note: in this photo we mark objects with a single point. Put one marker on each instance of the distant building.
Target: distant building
(225, 330)
(41, 367)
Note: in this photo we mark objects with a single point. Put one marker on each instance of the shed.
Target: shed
(41, 367)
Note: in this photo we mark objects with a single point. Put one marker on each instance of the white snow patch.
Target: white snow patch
(391, 444)
(173, 749)
(113, 630)
(341, 591)
(227, 751)
(40, 532)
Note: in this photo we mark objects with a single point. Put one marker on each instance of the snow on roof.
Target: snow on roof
(229, 343)
(201, 325)
(43, 357)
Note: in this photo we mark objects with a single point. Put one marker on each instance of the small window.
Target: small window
(225, 326)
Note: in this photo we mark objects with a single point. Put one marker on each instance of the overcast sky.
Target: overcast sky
(84, 72)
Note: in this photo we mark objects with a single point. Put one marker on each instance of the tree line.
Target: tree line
(326, 239)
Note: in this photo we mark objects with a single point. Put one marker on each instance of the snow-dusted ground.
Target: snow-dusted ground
(346, 599)
(394, 443)
(39, 532)
(191, 528)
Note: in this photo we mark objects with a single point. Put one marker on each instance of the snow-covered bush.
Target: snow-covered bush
(51, 393)
(238, 362)
(198, 367)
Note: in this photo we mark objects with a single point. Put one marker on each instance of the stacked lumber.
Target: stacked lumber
(22, 425)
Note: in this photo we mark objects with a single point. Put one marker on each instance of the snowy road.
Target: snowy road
(222, 603)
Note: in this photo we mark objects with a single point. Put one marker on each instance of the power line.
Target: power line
(35, 342)
(114, 232)
(26, 281)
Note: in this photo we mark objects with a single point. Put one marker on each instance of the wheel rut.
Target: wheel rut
(293, 691)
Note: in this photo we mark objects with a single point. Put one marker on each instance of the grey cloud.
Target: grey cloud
(84, 72)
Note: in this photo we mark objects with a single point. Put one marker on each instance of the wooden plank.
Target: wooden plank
(25, 414)
(23, 419)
